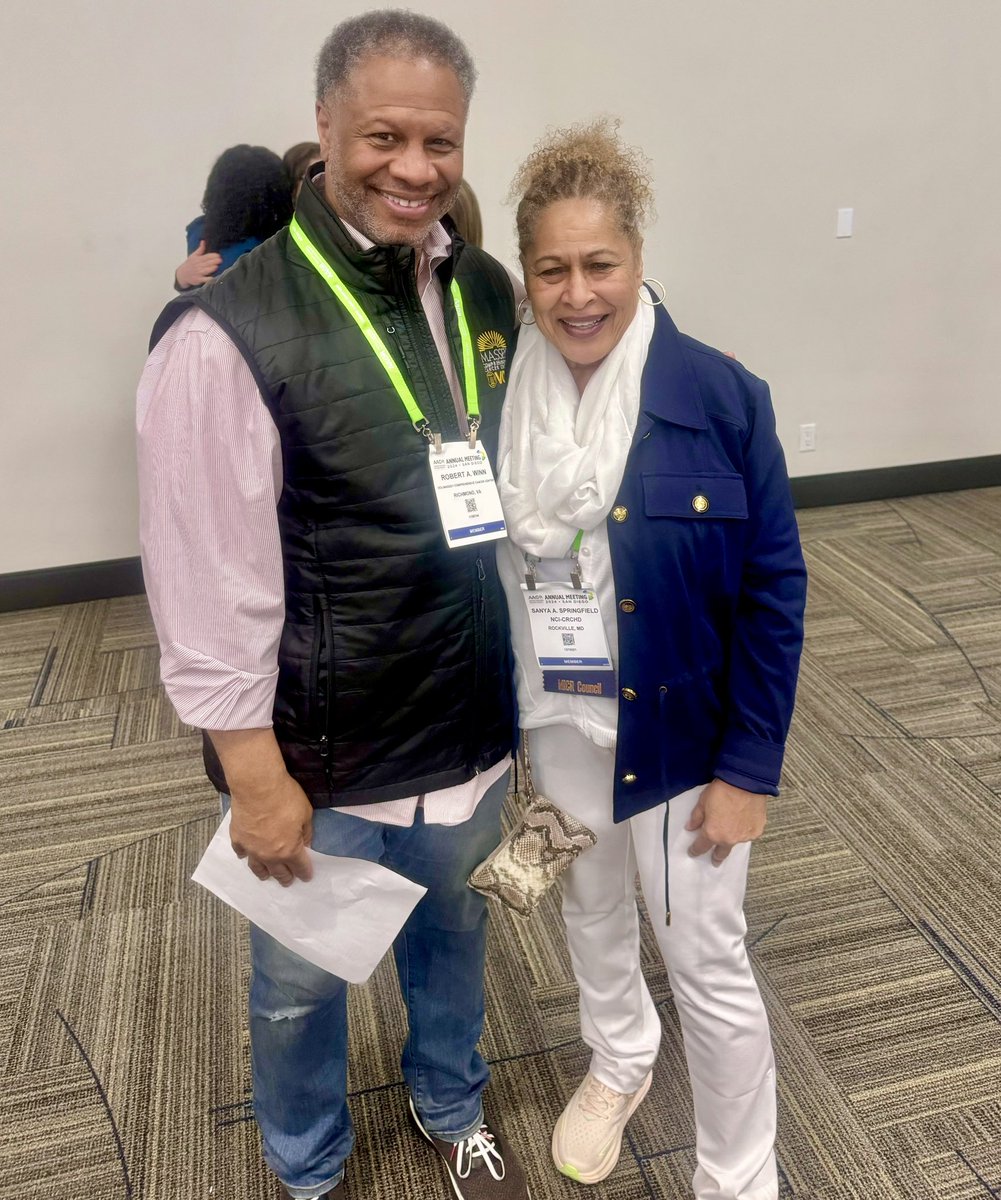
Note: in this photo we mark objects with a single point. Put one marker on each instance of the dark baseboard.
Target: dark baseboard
(123, 576)
(70, 585)
(888, 483)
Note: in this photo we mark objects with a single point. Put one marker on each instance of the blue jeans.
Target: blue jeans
(298, 1012)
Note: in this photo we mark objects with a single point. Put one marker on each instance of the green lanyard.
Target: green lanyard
(340, 290)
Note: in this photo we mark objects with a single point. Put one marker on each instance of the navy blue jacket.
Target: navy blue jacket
(709, 581)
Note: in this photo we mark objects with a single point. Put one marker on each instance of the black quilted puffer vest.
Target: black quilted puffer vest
(394, 671)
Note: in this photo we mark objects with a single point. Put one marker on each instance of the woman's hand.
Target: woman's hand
(725, 816)
(197, 268)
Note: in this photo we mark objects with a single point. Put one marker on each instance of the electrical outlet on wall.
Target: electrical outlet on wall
(808, 437)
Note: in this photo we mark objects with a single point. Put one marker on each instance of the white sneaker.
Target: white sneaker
(588, 1136)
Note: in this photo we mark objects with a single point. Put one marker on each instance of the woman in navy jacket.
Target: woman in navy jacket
(641, 472)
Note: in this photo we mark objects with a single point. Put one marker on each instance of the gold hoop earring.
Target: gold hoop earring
(650, 282)
(521, 311)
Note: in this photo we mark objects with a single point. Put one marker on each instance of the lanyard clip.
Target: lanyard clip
(530, 580)
(434, 439)
(575, 561)
(474, 426)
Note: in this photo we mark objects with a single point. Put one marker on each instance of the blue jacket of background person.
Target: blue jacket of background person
(229, 254)
(709, 579)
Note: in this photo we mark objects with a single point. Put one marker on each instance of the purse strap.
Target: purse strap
(526, 760)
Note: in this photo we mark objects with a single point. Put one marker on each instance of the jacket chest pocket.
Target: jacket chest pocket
(706, 497)
(698, 524)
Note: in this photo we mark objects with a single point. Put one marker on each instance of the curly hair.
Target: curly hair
(584, 162)
(248, 195)
(396, 33)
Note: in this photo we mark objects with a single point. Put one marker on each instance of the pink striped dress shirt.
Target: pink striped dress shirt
(210, 475)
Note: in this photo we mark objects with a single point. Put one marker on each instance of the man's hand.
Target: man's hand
(198, 267)
(271, 830)
(272, 818)
(725, 816)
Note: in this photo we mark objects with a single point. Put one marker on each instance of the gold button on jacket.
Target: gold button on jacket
(628, 694)
(630, 778)
(619, 513)
(700, 503)
(627, 605)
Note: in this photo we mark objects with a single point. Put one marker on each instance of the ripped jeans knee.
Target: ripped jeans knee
(290, 1012)
(285, 987)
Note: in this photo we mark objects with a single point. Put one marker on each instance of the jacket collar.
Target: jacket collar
(669, 388)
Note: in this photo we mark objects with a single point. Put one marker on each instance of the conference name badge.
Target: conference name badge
(568, 636)
(468, 500)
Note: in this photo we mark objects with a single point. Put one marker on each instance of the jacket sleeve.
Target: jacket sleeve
(768, 631)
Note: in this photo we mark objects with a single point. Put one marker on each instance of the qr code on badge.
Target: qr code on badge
(568, 641)
(471, 506)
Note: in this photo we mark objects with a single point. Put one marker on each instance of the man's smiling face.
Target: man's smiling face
(391, 139)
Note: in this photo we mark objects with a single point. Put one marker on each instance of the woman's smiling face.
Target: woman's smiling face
(583, 275)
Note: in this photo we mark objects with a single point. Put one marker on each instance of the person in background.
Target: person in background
(247, 198)
(298, 159)
(465, 212)
(353, 673)
(639, 462)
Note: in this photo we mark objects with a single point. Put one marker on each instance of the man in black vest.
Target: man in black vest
(351, 670)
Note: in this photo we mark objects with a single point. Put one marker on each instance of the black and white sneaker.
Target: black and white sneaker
(480, 1167)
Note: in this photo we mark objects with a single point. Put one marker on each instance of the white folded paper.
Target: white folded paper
(343, 920)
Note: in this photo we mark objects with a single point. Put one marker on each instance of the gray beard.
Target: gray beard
(352, 204)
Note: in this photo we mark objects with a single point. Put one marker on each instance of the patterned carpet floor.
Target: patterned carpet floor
(874, 911)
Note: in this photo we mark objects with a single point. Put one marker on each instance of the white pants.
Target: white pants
(727, 1041)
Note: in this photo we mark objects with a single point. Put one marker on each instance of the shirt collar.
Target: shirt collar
(435, 248)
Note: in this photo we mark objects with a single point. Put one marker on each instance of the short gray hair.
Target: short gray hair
(395, 33)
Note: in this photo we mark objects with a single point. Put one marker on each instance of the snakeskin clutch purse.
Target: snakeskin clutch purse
(542, 845)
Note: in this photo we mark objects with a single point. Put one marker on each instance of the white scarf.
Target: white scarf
(561, 458)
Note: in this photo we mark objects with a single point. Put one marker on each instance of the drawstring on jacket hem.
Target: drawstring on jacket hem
(667, 866)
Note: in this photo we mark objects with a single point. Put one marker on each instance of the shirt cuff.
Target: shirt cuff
(210, 694)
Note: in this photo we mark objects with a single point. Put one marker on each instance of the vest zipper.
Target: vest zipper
(446, 423)
(324, 648)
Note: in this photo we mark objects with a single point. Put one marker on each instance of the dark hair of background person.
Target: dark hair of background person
(248, 195)
(297, 159)
(465, 212)
(393, 33)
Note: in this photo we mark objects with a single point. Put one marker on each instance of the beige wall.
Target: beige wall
(762, 119)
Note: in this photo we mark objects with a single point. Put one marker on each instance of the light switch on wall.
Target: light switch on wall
(846, 219)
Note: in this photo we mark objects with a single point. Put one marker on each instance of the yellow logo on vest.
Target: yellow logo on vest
(493, 354)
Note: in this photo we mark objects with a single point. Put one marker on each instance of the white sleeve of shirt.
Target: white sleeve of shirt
(210, 475)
